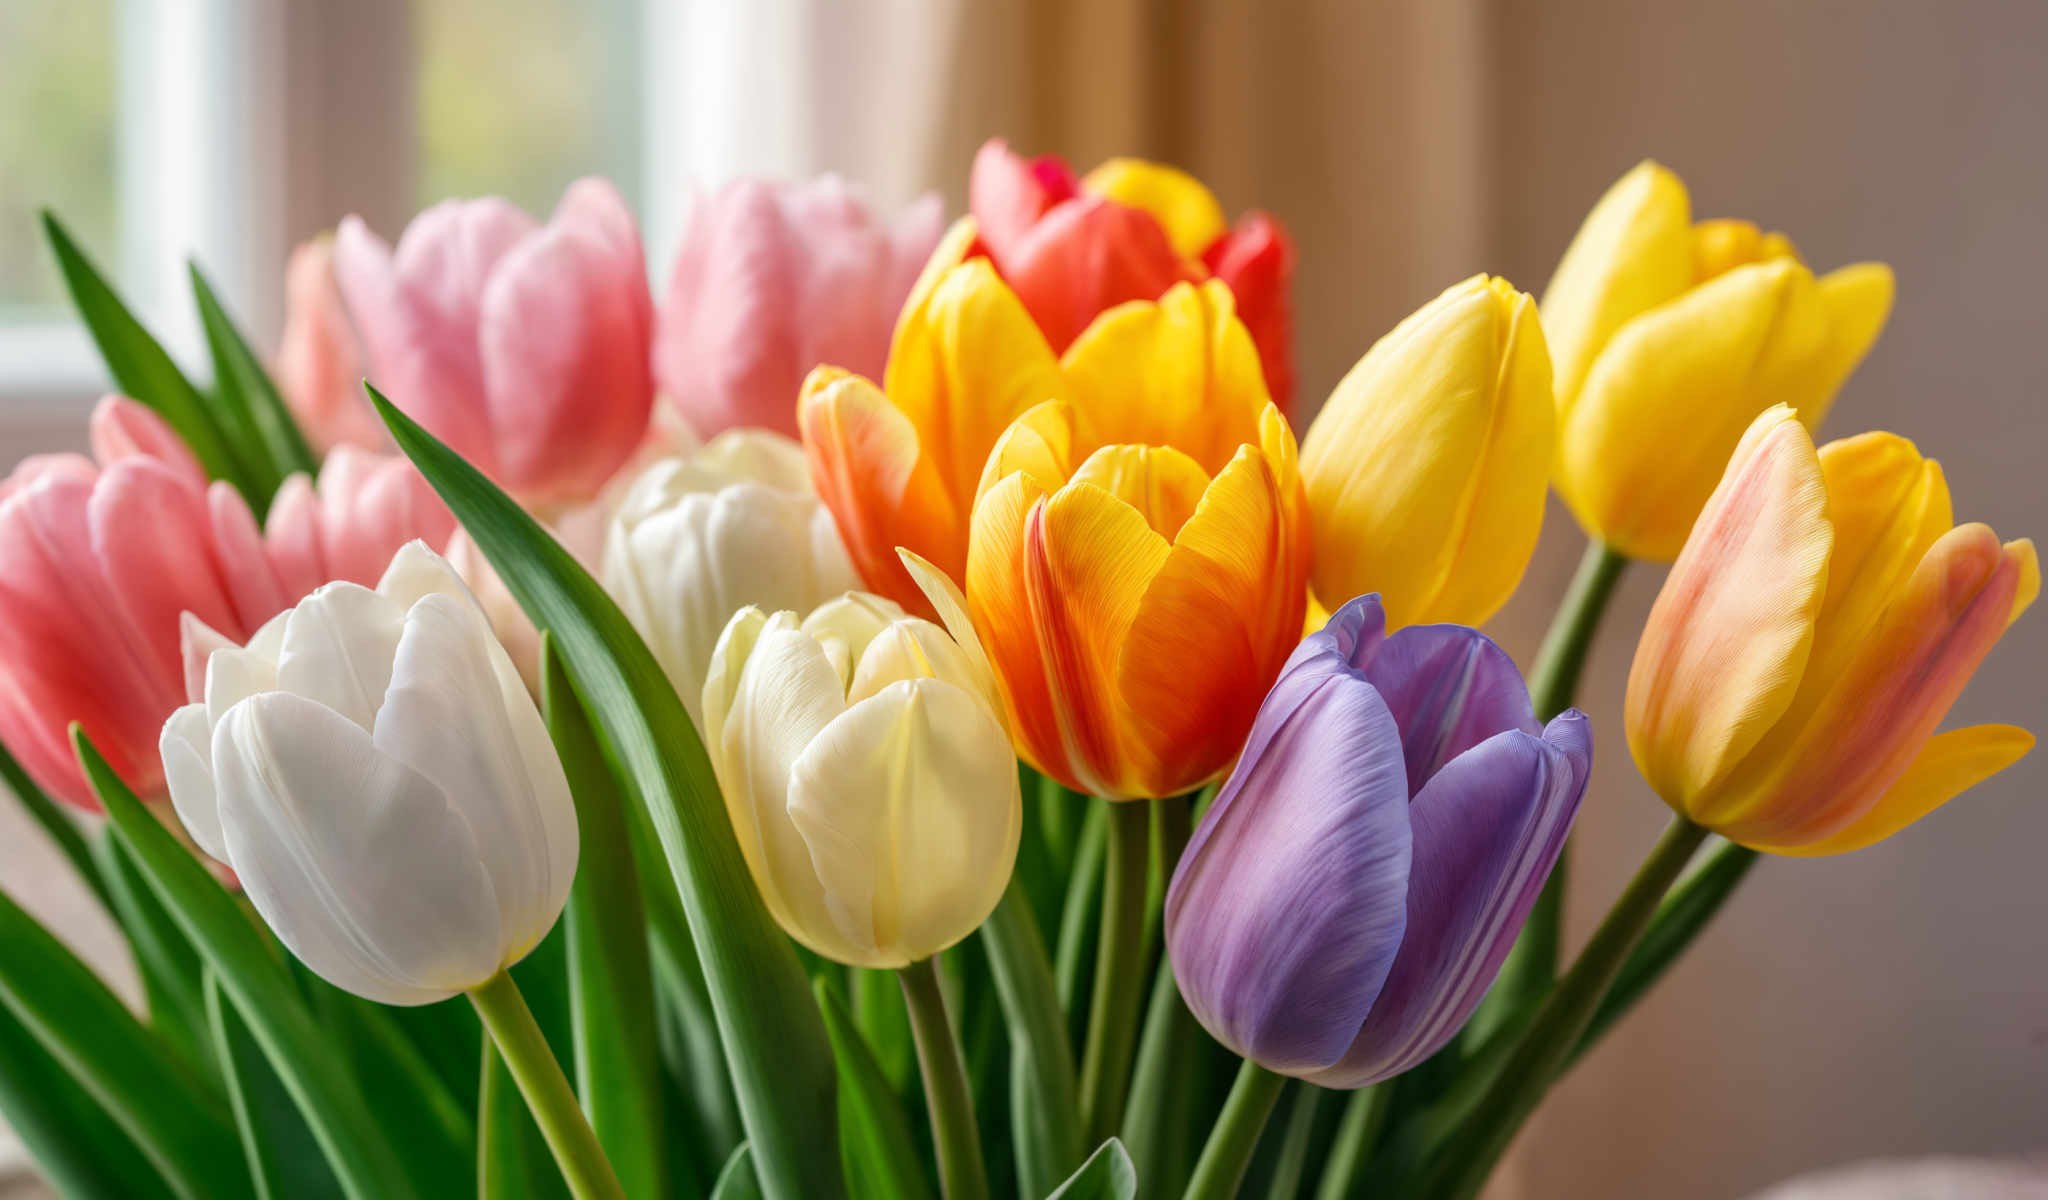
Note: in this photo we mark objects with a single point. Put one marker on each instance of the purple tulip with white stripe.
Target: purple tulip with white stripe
(1348, 898)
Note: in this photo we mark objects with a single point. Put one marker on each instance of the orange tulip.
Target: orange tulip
(1139, 552)
(1822, 618)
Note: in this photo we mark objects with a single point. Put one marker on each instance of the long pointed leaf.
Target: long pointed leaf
(143, 370)
(611, 984)
(76, 1145)
(284, 1159)
(737, 1181)
(179, 1122)
(170, 968)
(357, 1146)
(1045, 1123)
(874, 1134)
(247, 397)
(1107, 1175)
(775, 1044)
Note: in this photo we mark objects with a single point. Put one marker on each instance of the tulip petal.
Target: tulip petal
(1450, 688)
(1086, 256)
(1163, 484)
(2029, 586)
(1285, 914)
(1633, 253)
(1001, 610)
(149, 531)
(1950, 764)
(1008, 193)
(358, 862)
(187, 749)
(1727, 640)
(1255, 261)
(338, 646)
(122, 428)
(909, 805)
(1186, 210)
(1487, 829)
(1857, 300)
(245, 565)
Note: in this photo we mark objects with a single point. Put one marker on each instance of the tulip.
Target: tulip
(867, 772)
(700, 537)
(1139, 556)
(1822, 618)
(99, 562)
(372, 768)
(1426, 469)
(1073, 248)
(1668, 338)
(320, 365)
(1348, 898)
(772, 279)
(525, 348)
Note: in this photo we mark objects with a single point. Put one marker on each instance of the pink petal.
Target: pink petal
(123, 428)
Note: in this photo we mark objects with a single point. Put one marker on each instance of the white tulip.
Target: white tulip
(868, 773)
(372, 767)
(699, 537)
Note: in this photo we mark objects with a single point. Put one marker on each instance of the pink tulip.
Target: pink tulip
(773, 279)
(101, 562)
(320, 365)
(524, 347)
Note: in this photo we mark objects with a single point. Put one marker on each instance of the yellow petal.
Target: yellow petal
(1041, 443)
(1180, 371)
(1652, 428)
(1184, 208)
(1950, 764)
(1727, 640)
(1857, 299)
(965, 361)
(1163, 484)
(1721, 245)
(949, 253)
(1430, 460)
(1888, 506)
(2022, 549)
(1633, 253)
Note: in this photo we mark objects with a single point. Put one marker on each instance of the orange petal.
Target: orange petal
(1727, 640)
(2022, 549)
(1000, 608)
(1950, 764)
(1186, 210)
(1041, 443)
(1162, 483)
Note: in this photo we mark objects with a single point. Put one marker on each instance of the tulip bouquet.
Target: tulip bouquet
(906, 715)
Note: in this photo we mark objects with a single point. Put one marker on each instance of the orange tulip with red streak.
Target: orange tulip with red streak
(1823, 617)
(1139, 553)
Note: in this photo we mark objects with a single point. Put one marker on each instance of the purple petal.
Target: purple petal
(1487, 830)
(1286, 911)
(1353, 633)
(1449, 688)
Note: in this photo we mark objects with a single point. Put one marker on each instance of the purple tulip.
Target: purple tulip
(1348, 898)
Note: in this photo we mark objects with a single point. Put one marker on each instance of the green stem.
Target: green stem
(1236, 1135)
(962, 1175)
(1553, 682)
(525, 1051)
(1365, 1113)
(1113, 1006)
(1468, 1155)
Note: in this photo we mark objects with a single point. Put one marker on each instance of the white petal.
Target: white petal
(728, 661)
(447, 716)
(417, 571)
(913, 648)
(356, 860)
(338, 645)
(196, 643)
(910, 809)
(233, 675)
(946, 598)
(186, 745)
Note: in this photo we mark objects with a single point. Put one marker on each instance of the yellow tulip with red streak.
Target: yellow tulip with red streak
(1821, 620)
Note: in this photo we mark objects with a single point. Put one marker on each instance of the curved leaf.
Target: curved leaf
(170, 969)
(1107, 1175)
(874, 1134)
(738, 1181)
(248, 401)
(76, 1145)
(284, 1160)
(1045, 1121)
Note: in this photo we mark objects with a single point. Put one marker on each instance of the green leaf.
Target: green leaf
(775, 1044)
(1162, 1116)
(304, 1055)
(884, 1023)
(513, 1162)
(738, 1181)
(1045, 1121)
(874, 1134)
(170, 968)
(1291, 1160)
(175, 1118)
(78, 1148)
(1074, 956)
(611, 985)
(144, 371)
(249, 401)
(1107, 1175)
(284, 1159)
(62, 830)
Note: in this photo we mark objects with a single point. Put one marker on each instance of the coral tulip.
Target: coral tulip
(524, 347)
(372, 768)
(320, 367)
(98, 563)
(771, 280)
(864, 763)
(1668, 338)
(1138, 558)
(1350, 895)
(701, 536)
(1426, 469)
(1822, 618)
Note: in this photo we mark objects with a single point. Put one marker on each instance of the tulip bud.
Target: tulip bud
(1427, 467)
(700, 537)
(320, 365)
(1348, 898)
(372, 768)
(1670, 337)
(1822, 618)
(868, 774)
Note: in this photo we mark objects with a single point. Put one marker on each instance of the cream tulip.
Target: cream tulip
(868, 773)
(700, 536)
(373, 769)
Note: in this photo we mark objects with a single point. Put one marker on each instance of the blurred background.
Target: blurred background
(1891, 1003)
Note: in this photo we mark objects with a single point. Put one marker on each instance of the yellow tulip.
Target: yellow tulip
(1815, 630)
(1668, 338)
(1426, 468)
